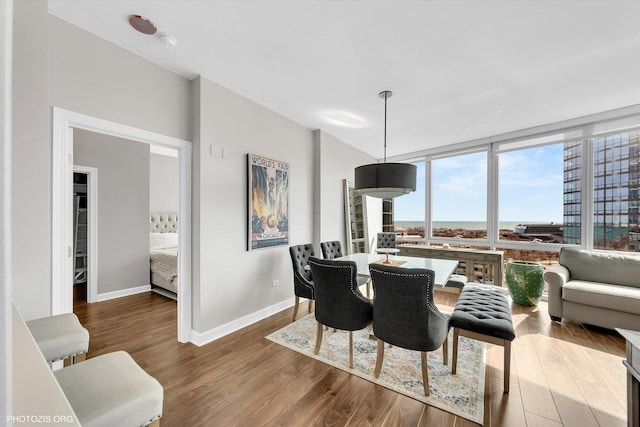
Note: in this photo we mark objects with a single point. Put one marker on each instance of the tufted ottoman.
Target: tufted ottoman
(112, 390)
(483, 313)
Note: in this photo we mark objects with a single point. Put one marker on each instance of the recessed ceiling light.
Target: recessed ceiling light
(142, 24)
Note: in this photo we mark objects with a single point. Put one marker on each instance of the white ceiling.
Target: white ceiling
(459, 70)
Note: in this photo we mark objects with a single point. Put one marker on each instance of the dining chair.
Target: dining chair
(332, 250)
(302, 279)
(386, 240)
(339, 302)
(405, 315)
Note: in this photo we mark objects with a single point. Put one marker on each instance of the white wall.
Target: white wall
(123, 207)
(164, 183)
(232, 281)
(31, 159)
(334, 162)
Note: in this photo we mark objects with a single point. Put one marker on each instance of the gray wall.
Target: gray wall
(31, 172)
(164, 183)
(91, 76)
(335, 161)
(229, 290)
(123, 207)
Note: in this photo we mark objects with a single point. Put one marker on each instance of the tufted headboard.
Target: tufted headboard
(163, 223)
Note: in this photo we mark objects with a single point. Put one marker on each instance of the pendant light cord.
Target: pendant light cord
(385, 128)
(385, 94)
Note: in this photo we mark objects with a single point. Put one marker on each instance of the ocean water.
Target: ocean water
(464, 225)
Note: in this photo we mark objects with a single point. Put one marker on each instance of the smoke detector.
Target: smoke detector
(167, 39)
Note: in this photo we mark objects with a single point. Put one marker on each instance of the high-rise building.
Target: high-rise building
(616, 182)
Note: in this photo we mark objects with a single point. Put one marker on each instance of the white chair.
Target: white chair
(60, 337)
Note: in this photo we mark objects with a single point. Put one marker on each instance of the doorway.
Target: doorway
(64, 123)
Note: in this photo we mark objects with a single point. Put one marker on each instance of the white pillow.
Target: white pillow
(163, 240)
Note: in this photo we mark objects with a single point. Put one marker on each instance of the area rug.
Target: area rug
(461, 394)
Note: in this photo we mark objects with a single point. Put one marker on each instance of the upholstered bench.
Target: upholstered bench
(60, 337)
(483, 313)
(112, 390)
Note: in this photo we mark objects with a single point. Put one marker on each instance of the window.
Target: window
(408, 211)
(539, 193)
(459, 196)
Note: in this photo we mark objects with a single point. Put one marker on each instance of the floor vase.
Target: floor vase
(525, 282)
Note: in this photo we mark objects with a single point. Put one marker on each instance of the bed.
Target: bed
(163, 253)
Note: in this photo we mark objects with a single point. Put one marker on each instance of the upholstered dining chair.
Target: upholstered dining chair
(405, 315)
(386, 240)
(339, 303)
(332, 250)
(302, 281)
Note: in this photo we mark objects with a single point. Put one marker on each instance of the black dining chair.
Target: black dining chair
(405, 315)
(386, 240)
(332, 250)
(302, 281)
(339, 303)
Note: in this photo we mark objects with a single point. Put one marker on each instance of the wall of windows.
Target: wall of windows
(572, 185)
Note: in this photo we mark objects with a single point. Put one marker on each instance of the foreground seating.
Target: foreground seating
(60, 337)
(112, 390)
(595, 287)
(339, 303)
(405, 315)
(483, 313)
(302, 281)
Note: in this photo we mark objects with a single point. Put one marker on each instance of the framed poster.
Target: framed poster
(268, 204)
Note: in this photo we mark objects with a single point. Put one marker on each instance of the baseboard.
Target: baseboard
(122, 293)
(202, 338)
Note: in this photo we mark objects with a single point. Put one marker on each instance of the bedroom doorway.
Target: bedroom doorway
(64, 124)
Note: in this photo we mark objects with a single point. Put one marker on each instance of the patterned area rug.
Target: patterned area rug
(461, 394)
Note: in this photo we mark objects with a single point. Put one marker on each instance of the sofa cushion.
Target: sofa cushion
(613, 297)
(601, 266)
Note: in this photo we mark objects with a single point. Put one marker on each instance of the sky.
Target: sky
(530, 188)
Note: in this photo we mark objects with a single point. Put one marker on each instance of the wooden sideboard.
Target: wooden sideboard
(484, 266)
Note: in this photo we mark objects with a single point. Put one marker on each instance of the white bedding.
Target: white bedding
(163, 251)
(164, 262)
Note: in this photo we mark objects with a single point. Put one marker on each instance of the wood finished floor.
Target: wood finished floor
(562, 374)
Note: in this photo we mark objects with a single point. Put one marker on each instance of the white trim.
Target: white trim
(92, 230)
(492, 197)
(122, 293)
(163, 151)
(586, 194)
(64, 122)
(202, 338)
(6, 309)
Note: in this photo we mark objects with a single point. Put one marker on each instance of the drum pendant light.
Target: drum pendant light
(385, 180)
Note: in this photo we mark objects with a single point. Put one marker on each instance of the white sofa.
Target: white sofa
(596, 287)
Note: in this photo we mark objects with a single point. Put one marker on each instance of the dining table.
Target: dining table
(443, 268)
